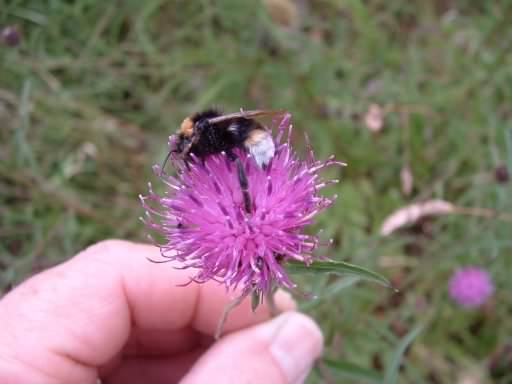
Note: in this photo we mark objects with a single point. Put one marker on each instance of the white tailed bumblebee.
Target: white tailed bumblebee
(210, 132)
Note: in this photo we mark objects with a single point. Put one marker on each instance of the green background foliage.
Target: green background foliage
(89, 97)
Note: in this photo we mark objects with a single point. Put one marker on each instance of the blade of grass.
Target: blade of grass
(391, 375)
(508, 140)
(349, 371)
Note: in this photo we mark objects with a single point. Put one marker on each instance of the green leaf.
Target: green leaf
(391, 376)
(255, 300)
(353, 372)
(342, 284)
(331, 290)
(336, 267)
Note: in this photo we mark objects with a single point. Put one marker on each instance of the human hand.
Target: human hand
(109, 313)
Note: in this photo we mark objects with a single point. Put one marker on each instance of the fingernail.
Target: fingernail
(296, 344)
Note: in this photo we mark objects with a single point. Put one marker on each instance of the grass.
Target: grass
(89, 97)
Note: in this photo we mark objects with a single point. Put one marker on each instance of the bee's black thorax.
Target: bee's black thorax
(221, 136)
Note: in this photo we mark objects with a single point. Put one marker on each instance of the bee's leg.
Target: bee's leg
(244, 184)
(187, 164)
(242, 178)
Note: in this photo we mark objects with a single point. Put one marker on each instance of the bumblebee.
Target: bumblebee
(210, 132)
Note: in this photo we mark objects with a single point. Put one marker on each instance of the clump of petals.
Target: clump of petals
(204, 226)
(470, 287)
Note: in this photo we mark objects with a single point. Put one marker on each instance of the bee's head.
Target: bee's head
(183, 137)
(181, 143)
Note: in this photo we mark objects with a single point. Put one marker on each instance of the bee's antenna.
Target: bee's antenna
(165, 162)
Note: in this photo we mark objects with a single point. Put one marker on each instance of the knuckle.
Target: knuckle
(103, 250)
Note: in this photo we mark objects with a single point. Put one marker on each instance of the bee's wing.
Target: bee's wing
(247, 115)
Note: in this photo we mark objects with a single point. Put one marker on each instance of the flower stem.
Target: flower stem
(272, 307)
(483, 212)
(232, 305)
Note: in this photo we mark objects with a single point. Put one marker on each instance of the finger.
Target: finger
(135, 370)
(213, 299)
(280, 351)
(64, 322)
(155, 295)
(149, 342)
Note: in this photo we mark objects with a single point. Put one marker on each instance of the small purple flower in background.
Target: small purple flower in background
(202, 217)
(470, 287)
(11, 36)
(501, 174)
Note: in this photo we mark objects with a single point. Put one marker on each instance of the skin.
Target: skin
(109, 313)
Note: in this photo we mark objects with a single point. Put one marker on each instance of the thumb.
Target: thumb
(279, 351)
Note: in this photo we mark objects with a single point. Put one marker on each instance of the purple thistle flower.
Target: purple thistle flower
(11, 36)
(202, 216)
(470, 287)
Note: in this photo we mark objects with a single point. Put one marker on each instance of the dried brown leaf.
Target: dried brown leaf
(407, 180)
(410, 214)
(473, 377)
(283, 12)
(374, 118)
